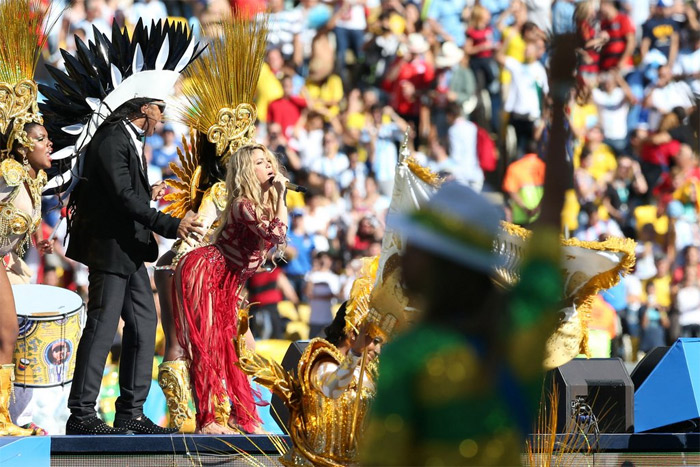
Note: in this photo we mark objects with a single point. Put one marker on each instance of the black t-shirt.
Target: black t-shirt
(623, 196)
(683, 134)
(660, 31)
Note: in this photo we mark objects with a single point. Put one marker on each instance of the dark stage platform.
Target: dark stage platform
(141, 451)
(204, 450)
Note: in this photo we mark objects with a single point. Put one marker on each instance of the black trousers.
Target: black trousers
(112, 296)
(524, 132)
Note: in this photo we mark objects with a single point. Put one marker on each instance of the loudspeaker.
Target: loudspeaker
(279, 411)
(646, 365)
(596, 389)
(670, 394)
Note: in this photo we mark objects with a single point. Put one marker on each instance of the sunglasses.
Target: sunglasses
(160, 105)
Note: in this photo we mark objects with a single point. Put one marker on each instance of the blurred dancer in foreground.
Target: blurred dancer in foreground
(463, 386)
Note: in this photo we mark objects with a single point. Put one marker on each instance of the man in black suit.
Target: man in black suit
(111, 225)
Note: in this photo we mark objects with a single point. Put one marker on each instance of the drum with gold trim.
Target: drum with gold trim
(50, 325)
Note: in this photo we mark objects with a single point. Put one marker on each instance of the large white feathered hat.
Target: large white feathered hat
(101, 77)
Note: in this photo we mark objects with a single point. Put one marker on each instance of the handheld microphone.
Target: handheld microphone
(292, 186)
(295, 187)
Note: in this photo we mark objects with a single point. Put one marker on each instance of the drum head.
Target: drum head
(49, 331)
(45, 301)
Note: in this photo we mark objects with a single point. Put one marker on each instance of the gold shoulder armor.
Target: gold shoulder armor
(219, 195)
(12, 171)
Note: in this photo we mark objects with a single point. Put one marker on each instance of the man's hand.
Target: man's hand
(191, 226)
(158, 190)
(45, 246)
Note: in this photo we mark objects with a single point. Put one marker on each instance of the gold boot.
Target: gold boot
(7, 428)
(174, 380)
(222, 413)
(222, 410)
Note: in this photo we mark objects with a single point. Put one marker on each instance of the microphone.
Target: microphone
(295, 187)
(292, 186)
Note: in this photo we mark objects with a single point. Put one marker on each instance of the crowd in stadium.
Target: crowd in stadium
(344, 80)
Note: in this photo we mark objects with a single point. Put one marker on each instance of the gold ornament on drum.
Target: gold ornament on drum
(233, 129)
(44, 354)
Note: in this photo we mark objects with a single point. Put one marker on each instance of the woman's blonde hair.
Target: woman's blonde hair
(479, 13)
(582, 11)
(241, 183)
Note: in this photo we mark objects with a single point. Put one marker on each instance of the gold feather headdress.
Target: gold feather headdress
(357, 308)
(219, 88)
(21, 40)
(218, 102)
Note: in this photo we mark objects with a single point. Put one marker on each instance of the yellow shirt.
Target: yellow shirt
(294, 200)
(663, 290)
(515, 48)
(397, 24)
(269, 89)
(357, 121)
(329, 92)
(603, 161)
(583, 116)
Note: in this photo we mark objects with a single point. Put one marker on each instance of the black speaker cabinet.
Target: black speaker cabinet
(289, 362)
(646, 365)
(594, 389)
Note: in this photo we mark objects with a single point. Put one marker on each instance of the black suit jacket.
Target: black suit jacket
(113, 223)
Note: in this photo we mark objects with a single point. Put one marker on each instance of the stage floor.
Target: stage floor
(670, 449)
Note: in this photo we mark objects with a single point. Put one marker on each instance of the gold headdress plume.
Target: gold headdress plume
(21, 40)
(358, 305)
(220, 86)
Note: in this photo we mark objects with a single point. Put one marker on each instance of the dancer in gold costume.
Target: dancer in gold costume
(24, 155)
(326, 417)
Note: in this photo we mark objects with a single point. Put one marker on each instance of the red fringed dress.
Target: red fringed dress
(207, 289)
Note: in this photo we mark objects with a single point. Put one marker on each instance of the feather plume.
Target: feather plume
(21, 38)
(227, 75)
(360, 293)
(185, 188)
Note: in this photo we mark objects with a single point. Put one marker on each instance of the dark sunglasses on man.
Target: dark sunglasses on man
(160, 105)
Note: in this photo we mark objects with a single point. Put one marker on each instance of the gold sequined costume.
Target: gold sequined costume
(20, 209)
(21, 39)
(22, 36)
(323, 397)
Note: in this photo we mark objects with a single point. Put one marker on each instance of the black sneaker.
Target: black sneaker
(91, 426)
(143, 426)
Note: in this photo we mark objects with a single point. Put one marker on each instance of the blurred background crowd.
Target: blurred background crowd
(344, 79)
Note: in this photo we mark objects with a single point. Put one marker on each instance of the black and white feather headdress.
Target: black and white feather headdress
(101, 77)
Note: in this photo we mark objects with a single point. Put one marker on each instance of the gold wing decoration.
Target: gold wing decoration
(186, 187)
(588, 268)
(266, 372)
